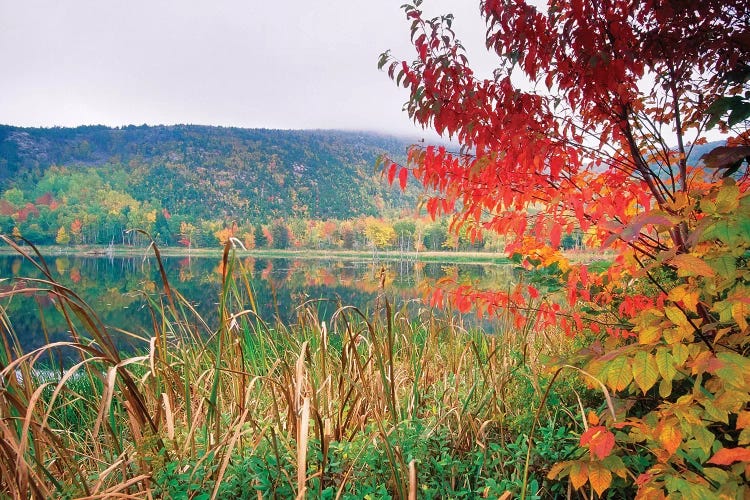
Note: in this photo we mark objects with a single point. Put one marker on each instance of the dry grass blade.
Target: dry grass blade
(116, 490)
(168, 416)
(304, 429)
(413, 480)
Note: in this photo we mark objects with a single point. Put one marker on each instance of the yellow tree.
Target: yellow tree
(380, 233)
(63, 238)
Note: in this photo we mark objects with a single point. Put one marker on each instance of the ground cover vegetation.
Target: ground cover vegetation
(618, 94)
(382, 404)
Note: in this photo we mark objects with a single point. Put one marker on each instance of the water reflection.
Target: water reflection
(118, 288)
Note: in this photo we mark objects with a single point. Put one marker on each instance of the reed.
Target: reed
(378, 402)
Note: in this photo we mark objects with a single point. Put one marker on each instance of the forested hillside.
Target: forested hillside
(96, 180)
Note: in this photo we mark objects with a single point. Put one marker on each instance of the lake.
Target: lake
(117, 288)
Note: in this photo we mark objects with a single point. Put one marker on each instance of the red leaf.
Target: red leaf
(555, 235)
(392, 173)
(599, 440)
(402, 175)
(728, 456)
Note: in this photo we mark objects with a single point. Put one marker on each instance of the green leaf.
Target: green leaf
(727, 199)
(725, 266)
(724, 231)
(703, 437)
(740, 113)
(719, 476)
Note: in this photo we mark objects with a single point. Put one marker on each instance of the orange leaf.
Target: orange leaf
(690, 265)
(728, 456)
(558, 468)
(579, 474)
(600, 478)
(593, 418)
(670, 438)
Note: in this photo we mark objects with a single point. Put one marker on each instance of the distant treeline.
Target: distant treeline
(199, 186)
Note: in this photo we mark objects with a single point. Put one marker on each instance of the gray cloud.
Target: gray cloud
(290, 64)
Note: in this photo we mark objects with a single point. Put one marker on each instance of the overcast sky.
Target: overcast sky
(245, 63)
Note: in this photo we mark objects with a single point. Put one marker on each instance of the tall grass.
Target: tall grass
(382, 403)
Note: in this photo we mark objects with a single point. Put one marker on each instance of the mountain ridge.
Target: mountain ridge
(259, 174)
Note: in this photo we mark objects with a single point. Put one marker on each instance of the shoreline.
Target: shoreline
(307, 254)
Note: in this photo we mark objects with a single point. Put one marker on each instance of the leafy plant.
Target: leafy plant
(587, 151)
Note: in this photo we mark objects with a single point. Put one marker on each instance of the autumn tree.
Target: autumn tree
(62, 238)
(76, 231)
(226, 233)
(279, 234)
(187, 234)
(379, 232)
(405, 230)
(347, 233)
(260, 236)
(248, 238)
(599, 138)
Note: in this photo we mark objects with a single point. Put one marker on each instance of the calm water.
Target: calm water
(116, 288)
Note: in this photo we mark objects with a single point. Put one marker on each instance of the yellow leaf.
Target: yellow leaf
(649, 335)
(744, 438)
(735, 369)
(676, 316)
(680, 201)
(600, 478)
(715, 413)
(665, 363)
(743, 420)
(665, 387)
(740, 313)
(675, 335)
(683, 294)
(732, 401)
(727, 200)
(649, 493)
(645, 372)
(680, 354)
